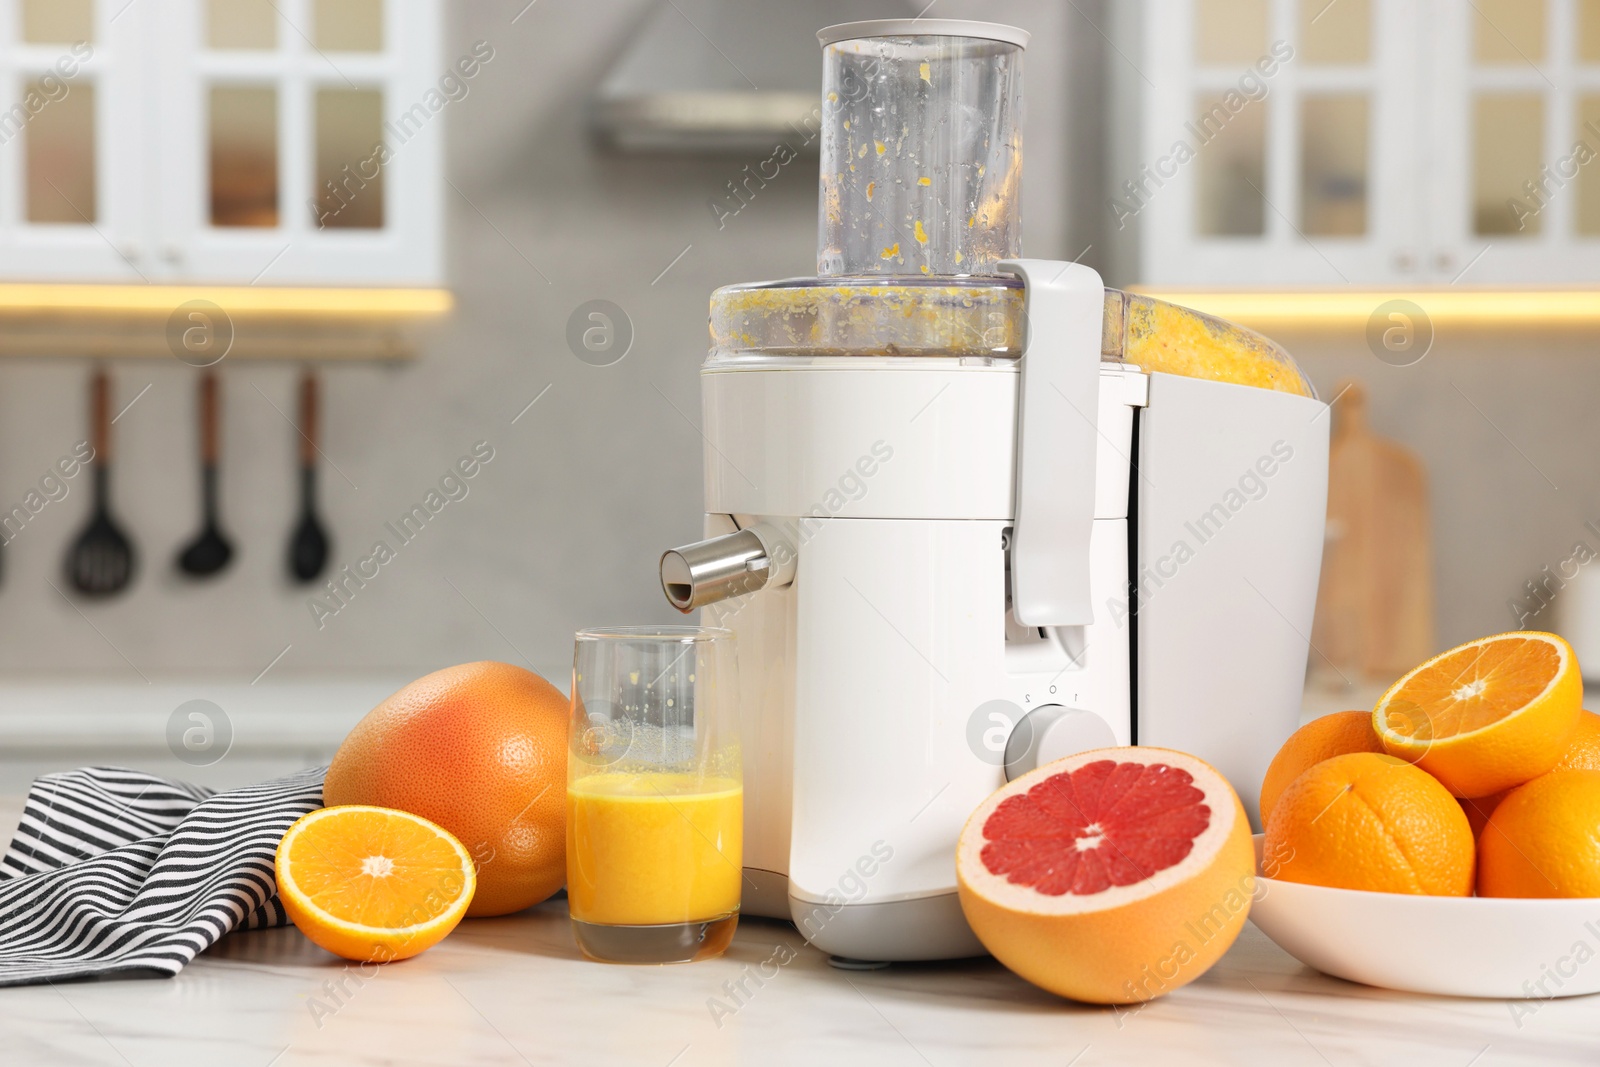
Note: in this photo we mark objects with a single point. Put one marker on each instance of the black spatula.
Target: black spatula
(210, 551)
(308, 546)
(101, 562)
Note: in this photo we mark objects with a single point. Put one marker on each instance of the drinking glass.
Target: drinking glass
(654, 794)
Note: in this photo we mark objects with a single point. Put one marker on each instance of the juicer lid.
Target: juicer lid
(987, 31)
(876, 315)
(977, 316)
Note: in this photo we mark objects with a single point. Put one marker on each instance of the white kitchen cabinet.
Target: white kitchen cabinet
(222, 141)
(68, 115)
(1517, 149)
(1332, 142)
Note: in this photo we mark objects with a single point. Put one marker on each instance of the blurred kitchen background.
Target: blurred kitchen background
(1336, 156)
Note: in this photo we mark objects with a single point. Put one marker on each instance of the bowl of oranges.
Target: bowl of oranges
(1448, 841)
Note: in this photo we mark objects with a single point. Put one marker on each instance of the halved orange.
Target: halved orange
(373, 884)
(1486, 715)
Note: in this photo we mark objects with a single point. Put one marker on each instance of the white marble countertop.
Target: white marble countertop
(515, 991)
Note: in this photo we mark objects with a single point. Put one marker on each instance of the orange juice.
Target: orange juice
(654, 848)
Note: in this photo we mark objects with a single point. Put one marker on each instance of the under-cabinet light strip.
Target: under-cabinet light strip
(1322, 308)
(44, 297)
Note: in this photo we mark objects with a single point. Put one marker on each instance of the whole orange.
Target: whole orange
(1322, 738)
(1582, 754)
(1544, 839)
(1583, 749)
(480, 749)
(1370, 821)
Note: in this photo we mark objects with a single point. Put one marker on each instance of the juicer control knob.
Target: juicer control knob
(1050, 732)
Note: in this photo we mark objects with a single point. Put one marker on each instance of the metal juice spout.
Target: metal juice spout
(725, 567)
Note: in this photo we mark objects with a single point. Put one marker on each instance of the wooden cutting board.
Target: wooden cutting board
(1374, 613)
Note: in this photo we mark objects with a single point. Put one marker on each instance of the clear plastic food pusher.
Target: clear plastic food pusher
(921, 147)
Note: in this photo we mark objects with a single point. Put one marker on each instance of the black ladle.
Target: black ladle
(209, 552)
(101, 562)
(308, 546)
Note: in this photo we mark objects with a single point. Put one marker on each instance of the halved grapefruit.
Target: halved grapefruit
(1112, 876)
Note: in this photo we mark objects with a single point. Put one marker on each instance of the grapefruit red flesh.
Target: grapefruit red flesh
(1105, 824)
(1112, 876)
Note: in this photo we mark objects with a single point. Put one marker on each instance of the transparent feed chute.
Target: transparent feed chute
(920, 200)
(921, 151)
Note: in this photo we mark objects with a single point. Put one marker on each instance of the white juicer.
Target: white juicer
(968, 512)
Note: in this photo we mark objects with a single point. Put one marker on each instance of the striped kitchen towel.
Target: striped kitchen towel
(119, 871)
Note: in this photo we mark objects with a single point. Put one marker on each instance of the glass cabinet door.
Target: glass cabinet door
(1276, 134)
(295, 157)
(70, 181)
(1518, 139)
(222, 141)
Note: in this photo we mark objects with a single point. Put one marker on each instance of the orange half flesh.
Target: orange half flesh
(1487, 715)
(372, 883)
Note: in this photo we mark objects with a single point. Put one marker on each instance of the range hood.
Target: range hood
(723, 75)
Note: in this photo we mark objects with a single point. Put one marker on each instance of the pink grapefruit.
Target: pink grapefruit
(1112, 876)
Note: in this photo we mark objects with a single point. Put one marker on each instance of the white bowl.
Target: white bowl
(1455, 946)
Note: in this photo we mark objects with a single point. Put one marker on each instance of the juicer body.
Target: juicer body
(887, 684)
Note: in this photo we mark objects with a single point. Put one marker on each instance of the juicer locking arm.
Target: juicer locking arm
(1058, 404)
(721, 568)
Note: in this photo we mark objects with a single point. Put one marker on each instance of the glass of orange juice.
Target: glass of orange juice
(655, 797)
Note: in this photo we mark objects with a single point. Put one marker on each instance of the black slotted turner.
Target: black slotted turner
(308, 545)
(101, 561)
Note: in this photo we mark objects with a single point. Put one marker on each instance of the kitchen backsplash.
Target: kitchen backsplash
(1505, 428)
(604, 466)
